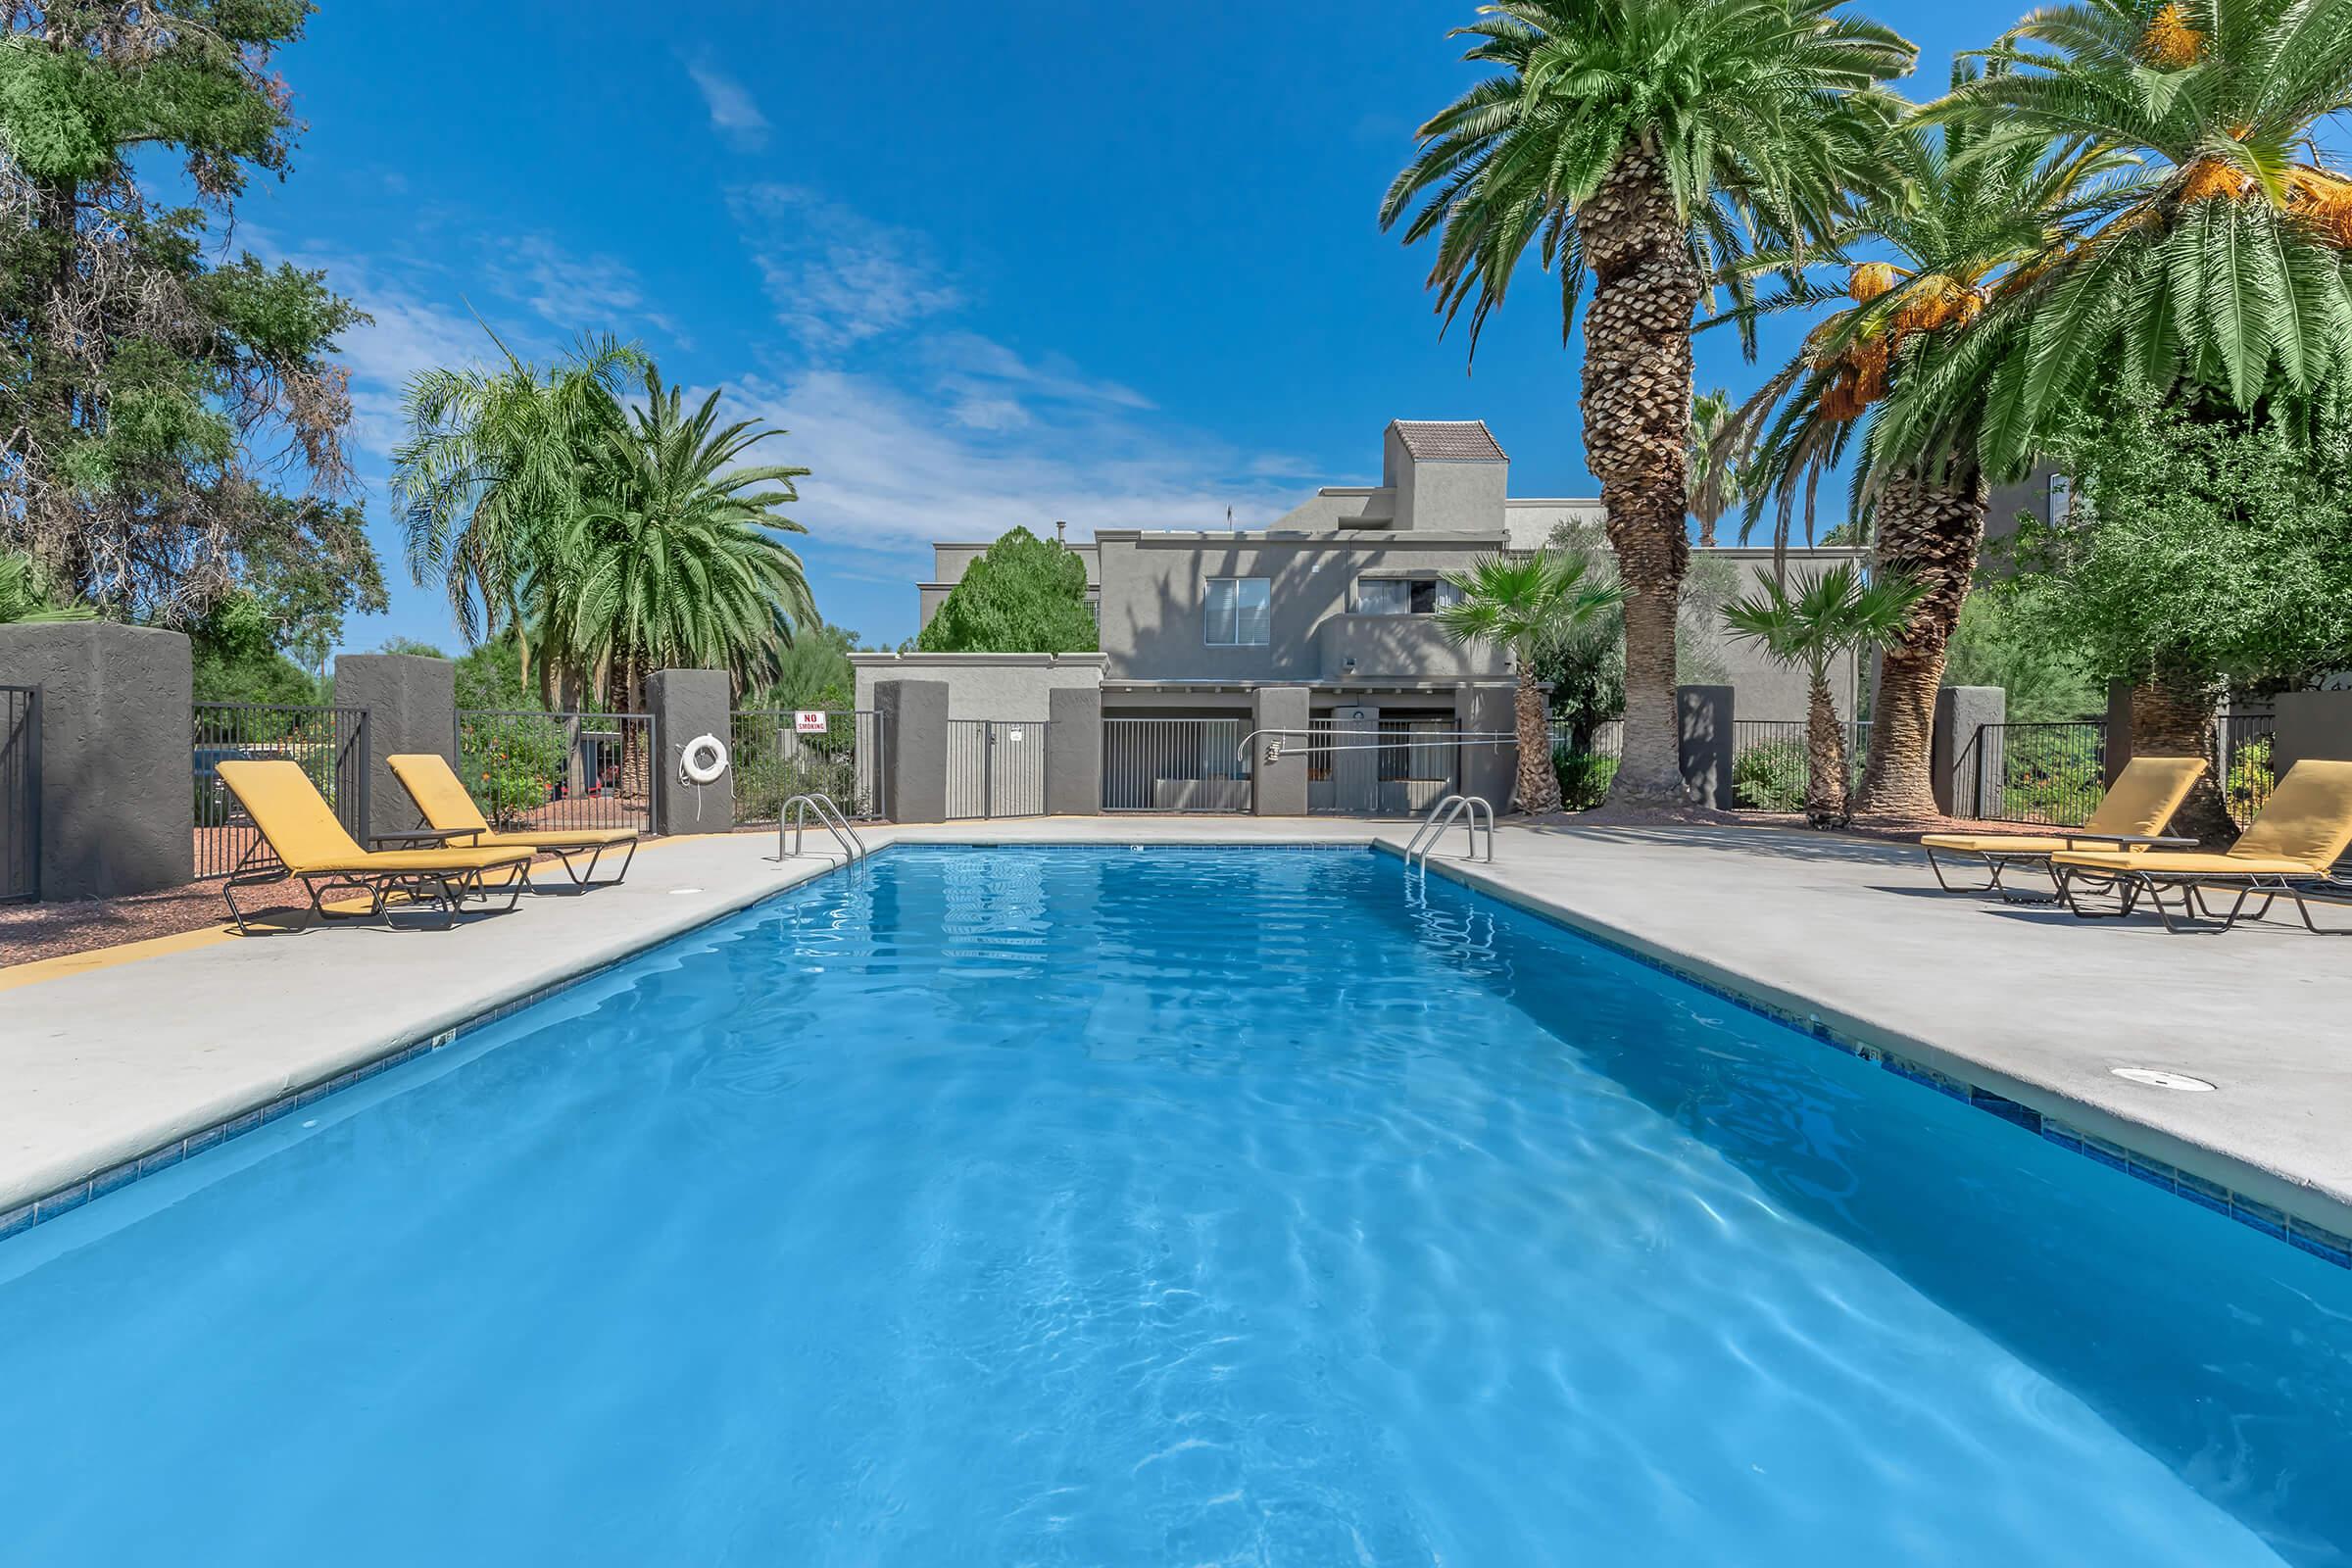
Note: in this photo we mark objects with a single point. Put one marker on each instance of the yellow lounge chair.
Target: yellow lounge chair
(451, 817)
(2132, 813)
(305, 843)
(2288, 851)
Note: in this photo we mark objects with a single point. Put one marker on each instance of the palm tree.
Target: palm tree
(1832, 612)
(491, 470)
(1718, 476)
(27, 600)
(2216, 275)
(672, 558)
(1969, 215)
(1647, 142)
(1527, 603)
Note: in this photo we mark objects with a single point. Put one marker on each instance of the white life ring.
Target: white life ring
(704, 760)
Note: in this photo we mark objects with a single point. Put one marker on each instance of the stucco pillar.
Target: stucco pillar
(2119, 727)
(1490, 768)
(116, 757)
(1278, 788)
(1074, 753)
(687, 703)
(1960, 712)
(412, 703)
(1706, 737)
(914, 723)
(2311, 725)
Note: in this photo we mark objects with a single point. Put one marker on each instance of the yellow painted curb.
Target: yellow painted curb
(25, 974)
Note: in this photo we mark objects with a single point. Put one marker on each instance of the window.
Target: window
(1240, 612)
(1403, 596)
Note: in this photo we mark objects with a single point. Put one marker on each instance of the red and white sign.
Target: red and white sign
(811, 721)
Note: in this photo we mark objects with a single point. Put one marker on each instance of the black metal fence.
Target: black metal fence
(2249, 771)
(330, 743)
(1174, 765)
(995, 767)
(1587, 764)
(1772, 761)
(2047, 774)
(529, 770)
(842, 754)
(20, 793)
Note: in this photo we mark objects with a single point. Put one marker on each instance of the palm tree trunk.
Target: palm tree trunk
(1929, 528)
(1539, 781)
(1636, 407)
(2172, 715)
(1824, 749)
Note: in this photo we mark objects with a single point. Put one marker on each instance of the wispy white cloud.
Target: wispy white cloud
(892, 467)
(836, 278)
(734, 112)
(576, 293)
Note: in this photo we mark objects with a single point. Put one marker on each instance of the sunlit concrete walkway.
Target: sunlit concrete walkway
(2028, 1002)
(107, 1064)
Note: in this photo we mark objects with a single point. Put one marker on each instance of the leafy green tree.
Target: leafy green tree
(234, 657)
(1999, 643)
(497, 464)
(1648, 144)
(153, 393)
(1971, 214)
(2200, 553)
(490, 676)
(813, 672)
(27, 600)
(1526, 603)
(671, 559)
(1025, 595)
(1828, 613)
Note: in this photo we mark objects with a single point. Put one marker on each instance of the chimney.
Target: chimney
(1062, 532)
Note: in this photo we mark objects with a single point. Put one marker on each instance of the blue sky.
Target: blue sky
(988, 263)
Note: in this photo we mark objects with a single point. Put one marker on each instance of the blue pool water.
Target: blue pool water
(1182, 1206)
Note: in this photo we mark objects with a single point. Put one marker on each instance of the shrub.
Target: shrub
(1771, 776)
(512, 765)
(1584, 778)
(2050, 776)
(2252, 777)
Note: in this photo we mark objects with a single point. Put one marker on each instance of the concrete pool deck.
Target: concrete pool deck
(102, 1064)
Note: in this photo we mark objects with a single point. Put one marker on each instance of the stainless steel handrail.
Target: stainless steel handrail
(829, 816)
(1426, 837)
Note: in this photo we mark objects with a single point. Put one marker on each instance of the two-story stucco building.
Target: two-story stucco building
(1334, 601)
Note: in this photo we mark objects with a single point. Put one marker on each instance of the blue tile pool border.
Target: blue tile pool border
(2271, 1221)
(2300, 1233)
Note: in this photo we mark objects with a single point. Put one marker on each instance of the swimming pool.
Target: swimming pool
(1171, 1205)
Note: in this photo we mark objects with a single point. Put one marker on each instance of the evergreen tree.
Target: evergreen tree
(149, 397)
(1025, 596)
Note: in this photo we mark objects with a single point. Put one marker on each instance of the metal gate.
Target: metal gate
(330, 743)
(536, 771)
(995, 767)
(20, 793)
(775, 759)
(1174, 765)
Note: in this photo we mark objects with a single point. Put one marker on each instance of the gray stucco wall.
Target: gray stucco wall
(2312, 724)
(1278, 789)
(117, 784)
(412, 705)
(1706, 719)
(914, 715)
(1074, 753)
(685, 703)
(1154, 598)
(1013, 686)
(1488, 771)
(1959, 712)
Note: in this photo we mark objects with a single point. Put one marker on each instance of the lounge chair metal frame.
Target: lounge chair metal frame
(2132, 887)
(582, 879)
(1999, 860)
(446, 890)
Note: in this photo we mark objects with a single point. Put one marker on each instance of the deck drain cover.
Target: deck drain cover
(2156, 1079)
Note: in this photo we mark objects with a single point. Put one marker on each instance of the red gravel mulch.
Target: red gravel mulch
(29, 932)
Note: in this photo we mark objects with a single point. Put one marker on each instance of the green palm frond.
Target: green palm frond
(1527, 602)
(1828, 613)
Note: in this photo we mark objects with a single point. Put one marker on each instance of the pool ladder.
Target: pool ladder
(829, 816)
(1440, 817)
